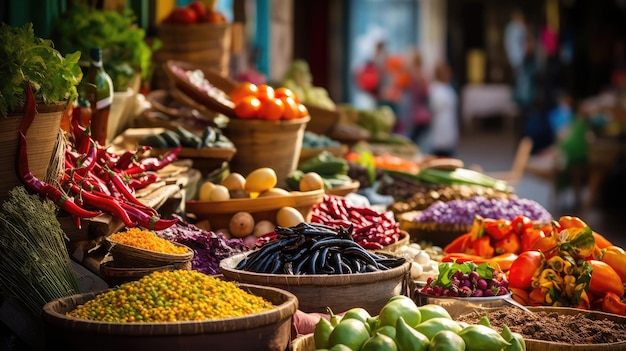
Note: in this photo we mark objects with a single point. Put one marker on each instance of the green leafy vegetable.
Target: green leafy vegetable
(124, 48)
(26, 58)
(448, 269)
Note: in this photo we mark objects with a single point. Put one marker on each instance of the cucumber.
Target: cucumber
(155, 140)
(171, 138)
(188, 139)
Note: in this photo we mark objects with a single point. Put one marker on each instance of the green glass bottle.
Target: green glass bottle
(97, 88)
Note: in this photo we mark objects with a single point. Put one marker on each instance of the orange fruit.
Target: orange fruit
(303, 111)
(248, 107)
(271, 109)
(291, 108)
(242, 90)
(265, 92)
(286, 92)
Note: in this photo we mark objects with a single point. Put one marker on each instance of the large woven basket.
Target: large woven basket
(207, 44)
(260, 143)
(269, 330)
(323, 120)
(340, 292)
(42, 139)
(130, 256)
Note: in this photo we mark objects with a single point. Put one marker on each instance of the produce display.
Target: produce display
(467, 279)
(195, 12)
(95, 180)
(209, 137)
(265, 102)
(373, 230)
(147, 240)
(209, 247)
(464, 211)
(298, 79)
(315, 249)
(332, 169)
(402, 325)
(171, 296)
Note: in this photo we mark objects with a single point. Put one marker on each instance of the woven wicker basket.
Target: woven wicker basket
(42, 143)
(206, 44)
(323, 120)
(340, 292)
(269, 330)
(259, 143)
(114, 275)
(130, 256)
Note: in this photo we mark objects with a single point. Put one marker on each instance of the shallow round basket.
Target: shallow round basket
(269, 330)
(261, 208)
(323, 120)
(340, 292)
(403, 240)
(309, 152)
(130, 256)
(260, 143)
(437, 234)
(457, 306)
(114, 275)
(344, 189)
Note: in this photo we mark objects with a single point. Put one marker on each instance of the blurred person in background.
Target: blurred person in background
(418, 113)
(515, 40)
(443, 101)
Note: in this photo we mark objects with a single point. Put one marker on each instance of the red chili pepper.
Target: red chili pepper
(106, 204)
(143, 181)
(369, 245)
(30, 109)
(88, 161)
(152, 222)
(51, 192)
(125, 160)
(82, 135)
(154, 163)
(125, 190)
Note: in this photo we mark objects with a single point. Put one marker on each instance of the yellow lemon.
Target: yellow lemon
(234, 181)
(260, 180)
(288, 217)
(219, 193)
(311, 181)
(205, 190)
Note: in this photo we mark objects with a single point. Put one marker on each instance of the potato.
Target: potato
(241, 224)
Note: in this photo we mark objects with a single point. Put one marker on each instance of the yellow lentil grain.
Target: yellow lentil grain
(171, 296)
(147, 240)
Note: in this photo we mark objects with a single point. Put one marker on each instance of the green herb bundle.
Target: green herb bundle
(35, 267)
(26, 58)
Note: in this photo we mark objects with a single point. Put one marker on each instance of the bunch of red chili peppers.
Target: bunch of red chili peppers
(96, 180)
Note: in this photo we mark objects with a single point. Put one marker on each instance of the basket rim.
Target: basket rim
(282, 311)
(155, 254)
(314, 280)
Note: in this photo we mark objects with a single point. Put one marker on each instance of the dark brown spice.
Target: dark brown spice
(583, 328)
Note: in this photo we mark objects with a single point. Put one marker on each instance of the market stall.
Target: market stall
(219, 218)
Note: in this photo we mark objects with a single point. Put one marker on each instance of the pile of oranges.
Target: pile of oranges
(262, 101)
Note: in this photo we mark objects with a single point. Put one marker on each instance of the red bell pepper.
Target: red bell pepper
(498, 229)
(521, 223)
(529, 237)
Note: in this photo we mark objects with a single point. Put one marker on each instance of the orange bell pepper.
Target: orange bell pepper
(604, 279)
(530, 237)
(510, 243)
(567, 222)
(615, 257)
(537, 297)
(482, 247)
(498, 229)
(612, 303)
(601, 241)
(459, 244)
(520, 295)
(548, 245)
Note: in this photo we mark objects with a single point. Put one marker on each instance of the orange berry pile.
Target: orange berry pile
(171, 296)
(264, 102)
(147, 240)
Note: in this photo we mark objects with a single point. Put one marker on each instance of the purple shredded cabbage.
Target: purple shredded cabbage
(464, 211)
(209, 247)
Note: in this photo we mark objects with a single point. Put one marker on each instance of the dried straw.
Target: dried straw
(35, 267)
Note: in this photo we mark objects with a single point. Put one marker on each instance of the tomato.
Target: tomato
(291, 108)
(271, 109)
(248, 107)
(286, 92)
(265, 92)
(303, 111)
(523, 269)
(242, 90)
(184, 15)
(198, 7)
